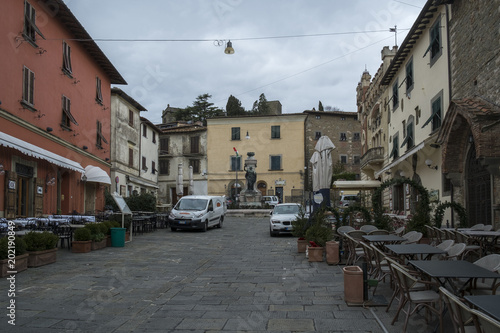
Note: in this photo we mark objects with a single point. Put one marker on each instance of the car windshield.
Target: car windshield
(287, 209)
(191, 204)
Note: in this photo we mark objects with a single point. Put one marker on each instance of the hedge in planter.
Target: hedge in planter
(16, 256)
(97, 237)
(42, 248)
(82, 242)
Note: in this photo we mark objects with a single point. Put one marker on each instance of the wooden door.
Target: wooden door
(10, 194)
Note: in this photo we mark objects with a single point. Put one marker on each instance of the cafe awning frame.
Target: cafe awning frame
(356, 184)
(400, 159)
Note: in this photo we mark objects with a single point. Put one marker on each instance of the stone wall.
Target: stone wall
(475, 42)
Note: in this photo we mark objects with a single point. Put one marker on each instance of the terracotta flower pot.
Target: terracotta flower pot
(81, 246)
(315, 254)
(21, 264)
(332, 253)
(301, 245)
(353, 284)
(41, 258)
(98, 245)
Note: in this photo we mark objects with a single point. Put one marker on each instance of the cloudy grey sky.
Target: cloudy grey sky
(299, 52)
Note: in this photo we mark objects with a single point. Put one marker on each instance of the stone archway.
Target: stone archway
(469, 157)
(422, 209)
(262, 187)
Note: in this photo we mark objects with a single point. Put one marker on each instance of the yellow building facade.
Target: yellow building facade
(278, 144)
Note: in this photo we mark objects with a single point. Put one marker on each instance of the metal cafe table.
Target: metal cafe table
(381, 240)
(487, 238)
(489, 304)
(451, 271)
(414, 251)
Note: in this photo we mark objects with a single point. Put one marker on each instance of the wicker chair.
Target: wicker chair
(461, 314)
(416, 300)
(488, 324)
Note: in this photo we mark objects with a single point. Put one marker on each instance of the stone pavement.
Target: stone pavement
(234, 279)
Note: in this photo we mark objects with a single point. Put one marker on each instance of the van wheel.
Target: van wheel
(220, 223)
(205, 226)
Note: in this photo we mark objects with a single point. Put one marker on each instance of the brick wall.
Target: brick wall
(475, 42)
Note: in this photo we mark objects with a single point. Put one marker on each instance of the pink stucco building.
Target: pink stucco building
(55, 97)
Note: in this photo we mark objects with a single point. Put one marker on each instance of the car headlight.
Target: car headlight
(275, 221)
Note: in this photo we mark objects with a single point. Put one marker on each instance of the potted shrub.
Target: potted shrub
(18, 258)
(82, 242)
(300, 226)
(96, 236)
(317, 235)
(42, 248)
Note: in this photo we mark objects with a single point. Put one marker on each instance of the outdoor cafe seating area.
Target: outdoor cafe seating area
(452, 274)
(64, 225)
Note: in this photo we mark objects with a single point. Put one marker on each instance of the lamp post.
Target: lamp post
(236, 172)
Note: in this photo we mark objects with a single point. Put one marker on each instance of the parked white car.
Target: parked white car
(281, 218)
(198, 212)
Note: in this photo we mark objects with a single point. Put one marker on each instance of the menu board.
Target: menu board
(121, 203)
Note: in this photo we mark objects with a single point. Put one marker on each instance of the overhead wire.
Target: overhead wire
(212, 39)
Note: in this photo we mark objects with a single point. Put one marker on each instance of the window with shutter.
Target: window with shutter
(30, 29)
(67, 117)
(66, 65)
(235, 133)
(28, 87)
(98, 92)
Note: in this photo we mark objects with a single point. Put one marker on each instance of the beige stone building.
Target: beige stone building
(134, 146)
(279, 147)
(184, 144)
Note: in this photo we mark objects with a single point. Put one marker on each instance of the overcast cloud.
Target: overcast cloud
(297, 71)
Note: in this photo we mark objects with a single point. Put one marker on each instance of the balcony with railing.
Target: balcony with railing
(373, 157)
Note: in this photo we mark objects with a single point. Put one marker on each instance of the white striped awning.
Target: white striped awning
(35, 151)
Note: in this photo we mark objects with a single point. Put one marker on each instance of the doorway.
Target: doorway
(279, 193)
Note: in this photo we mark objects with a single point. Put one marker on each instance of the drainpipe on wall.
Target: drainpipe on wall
(448, 46)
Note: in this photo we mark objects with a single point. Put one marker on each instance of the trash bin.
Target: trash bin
(332, 253)
(118, 237)
(353, 284)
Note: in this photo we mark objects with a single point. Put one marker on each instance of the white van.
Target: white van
(198, 212)
(271, 200)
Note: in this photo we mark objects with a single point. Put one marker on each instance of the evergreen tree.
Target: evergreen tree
(263, 106)
(233, 107)
(255, 107)
(200, 111)
(320, 106)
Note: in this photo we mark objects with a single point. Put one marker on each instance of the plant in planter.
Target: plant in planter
(300, 226)
(82, 242)
(109, 225)
(12, 252)
(97, 237)
(42, 248)
(318, 233)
